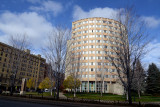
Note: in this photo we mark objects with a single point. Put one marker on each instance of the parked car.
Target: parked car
(46, 90)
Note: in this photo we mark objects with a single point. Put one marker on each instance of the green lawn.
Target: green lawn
(111, 97)
(95, 96)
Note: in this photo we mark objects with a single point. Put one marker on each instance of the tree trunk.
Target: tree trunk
(54, 92)
(51, 91)
(74, 92)
(129, 94)
(57, 89)
(139, 94)
(101, 88)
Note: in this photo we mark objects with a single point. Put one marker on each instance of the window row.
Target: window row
(96, 21)
(92, 63)
(95, 31)
(97, 63)
(97, 46)
(93, 36)
(96, 52)
(97, 26)
(99, 76)
(94, 69)
(93, 58)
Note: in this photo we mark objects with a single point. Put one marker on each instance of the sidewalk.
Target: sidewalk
(61, 96)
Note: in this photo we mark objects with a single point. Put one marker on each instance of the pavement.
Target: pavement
(62, 96)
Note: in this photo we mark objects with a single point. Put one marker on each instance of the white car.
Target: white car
(46, 90)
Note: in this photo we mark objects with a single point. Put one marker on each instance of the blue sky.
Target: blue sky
(37, 18)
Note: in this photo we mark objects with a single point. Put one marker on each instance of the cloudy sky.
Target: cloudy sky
(37, 18)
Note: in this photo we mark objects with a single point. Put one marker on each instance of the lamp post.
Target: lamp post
(12, 78)
(0, 88)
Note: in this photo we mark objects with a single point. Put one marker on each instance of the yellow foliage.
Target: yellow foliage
(46, 83)
(71, 82)
(30, 83)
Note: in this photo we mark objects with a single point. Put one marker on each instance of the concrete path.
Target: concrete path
(62, 96)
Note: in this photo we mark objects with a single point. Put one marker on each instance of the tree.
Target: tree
(132, 46)
(20, 42)
(30, 83)
(55, 52)
(46, 83)
(153, 80)
(72, 83)
(139, 82)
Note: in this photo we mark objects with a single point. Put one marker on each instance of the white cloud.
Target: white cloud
(151, 22)
(48, 6)
(30, 23)
(106, 12)
(153, 55)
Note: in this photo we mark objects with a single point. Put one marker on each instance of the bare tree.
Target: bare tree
(55, 53)
(138, 83)
(73, 65)
(20, 43)
(131, 47)
(76, 71)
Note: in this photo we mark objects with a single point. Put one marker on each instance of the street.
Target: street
(27, 103)
(5, 103)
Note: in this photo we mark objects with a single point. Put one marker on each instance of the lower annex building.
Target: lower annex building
(93, 40)
(21, 64)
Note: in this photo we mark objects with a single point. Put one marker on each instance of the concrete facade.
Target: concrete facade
(93, 43)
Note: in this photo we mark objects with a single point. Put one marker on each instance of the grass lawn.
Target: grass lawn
(96, 96)
(149, 99)
(111, 97)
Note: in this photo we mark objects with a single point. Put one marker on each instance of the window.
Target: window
(106, 76)
(92, 68)
(105, 31)
(105, 46)
(98, 52)
(1, 53)
(104, 21)
(99, 63)
(3, 70)
(110, 22)
(98, 75)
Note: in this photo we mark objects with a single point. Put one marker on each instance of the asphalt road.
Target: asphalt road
(6, 101)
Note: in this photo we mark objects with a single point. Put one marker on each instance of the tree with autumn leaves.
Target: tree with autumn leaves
(30, 83)
(46, 83)
(71, 83)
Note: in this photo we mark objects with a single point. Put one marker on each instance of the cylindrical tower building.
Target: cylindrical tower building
(93, 41)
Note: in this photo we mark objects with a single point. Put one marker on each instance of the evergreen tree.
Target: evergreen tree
(153, 80)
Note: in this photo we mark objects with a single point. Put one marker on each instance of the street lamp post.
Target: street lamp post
(12, 77)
